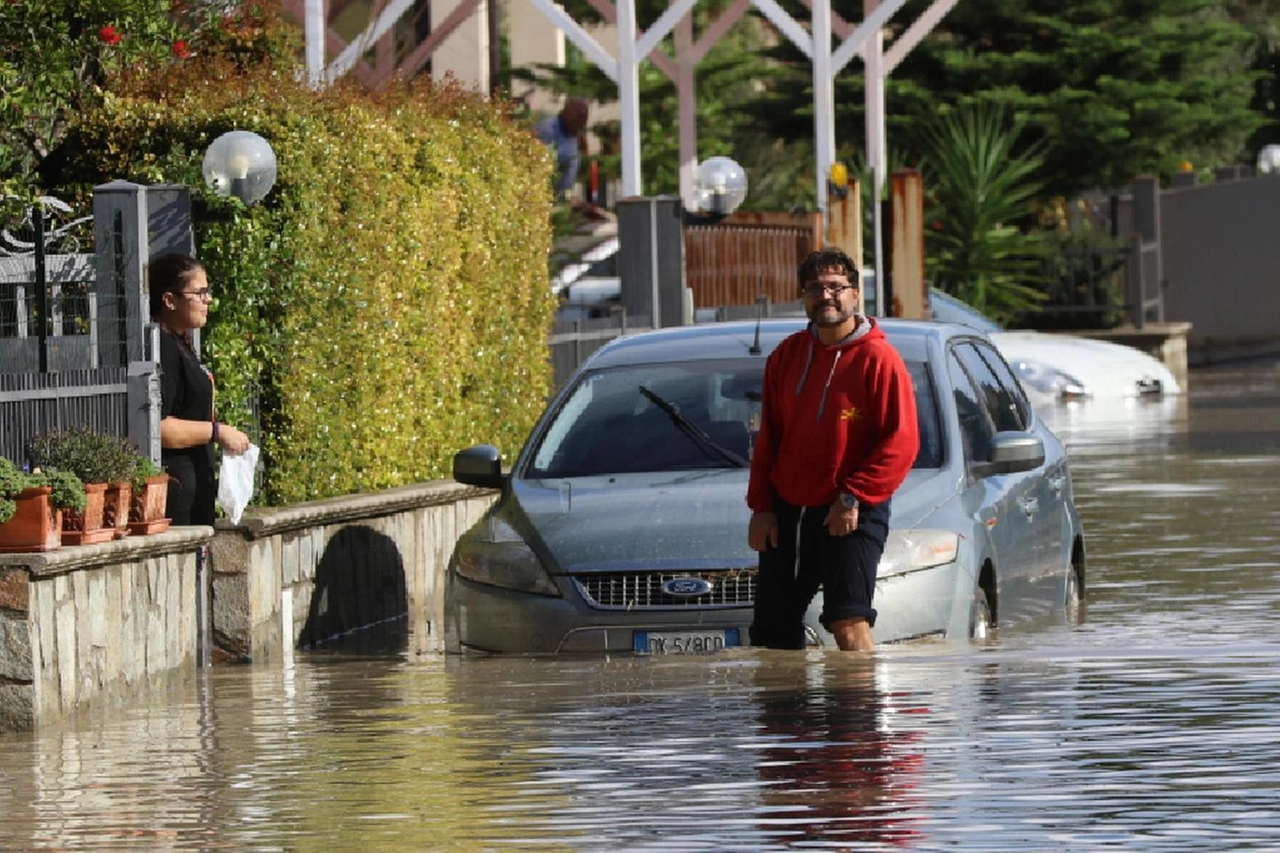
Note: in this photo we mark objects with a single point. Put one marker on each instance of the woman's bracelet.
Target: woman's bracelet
(214, 436)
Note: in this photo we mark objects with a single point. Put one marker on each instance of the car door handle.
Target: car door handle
(1029, 505)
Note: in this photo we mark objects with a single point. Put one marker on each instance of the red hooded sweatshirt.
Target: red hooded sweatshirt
(833, 419)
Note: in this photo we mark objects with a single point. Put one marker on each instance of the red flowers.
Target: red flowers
(109, 36)
(181, 49)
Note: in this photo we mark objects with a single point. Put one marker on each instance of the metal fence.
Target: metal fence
(75, 349)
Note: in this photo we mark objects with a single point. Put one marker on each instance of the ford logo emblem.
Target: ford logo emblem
(686, 587)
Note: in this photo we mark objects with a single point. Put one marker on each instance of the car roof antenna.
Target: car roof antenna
(760, 305)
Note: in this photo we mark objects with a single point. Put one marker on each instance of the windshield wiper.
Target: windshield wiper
(695, 432)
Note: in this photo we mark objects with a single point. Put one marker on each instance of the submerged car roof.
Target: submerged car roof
(710, 341)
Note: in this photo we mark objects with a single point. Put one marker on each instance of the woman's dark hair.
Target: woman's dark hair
(829, 258)
(169, 274)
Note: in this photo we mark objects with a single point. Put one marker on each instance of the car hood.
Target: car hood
(686, 520)
(1105, 368)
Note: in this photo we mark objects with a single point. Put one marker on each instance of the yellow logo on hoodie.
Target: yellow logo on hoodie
(849, 414)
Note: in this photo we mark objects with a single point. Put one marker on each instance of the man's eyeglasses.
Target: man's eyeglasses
(204, 294)
(836, 290)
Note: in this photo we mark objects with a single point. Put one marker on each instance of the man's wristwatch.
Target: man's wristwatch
(848, 501)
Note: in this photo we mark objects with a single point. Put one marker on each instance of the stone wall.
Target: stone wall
(295, 576)
(79, 624)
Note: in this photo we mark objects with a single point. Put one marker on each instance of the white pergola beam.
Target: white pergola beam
(376, 29)
(661, 27)
(873, 22)
(919, 28)
(786, 25)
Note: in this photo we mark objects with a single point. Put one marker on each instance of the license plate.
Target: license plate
(684, 642)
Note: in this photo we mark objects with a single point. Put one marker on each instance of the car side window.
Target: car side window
(1008, 381)
(998, 399)
(975, 426)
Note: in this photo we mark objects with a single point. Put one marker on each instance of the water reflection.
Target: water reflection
(838, 755)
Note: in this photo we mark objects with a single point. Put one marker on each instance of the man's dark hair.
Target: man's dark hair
(829, 258)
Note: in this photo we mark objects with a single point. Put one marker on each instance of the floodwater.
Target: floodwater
(1152, 726)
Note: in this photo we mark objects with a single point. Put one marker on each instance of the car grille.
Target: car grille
(636, 590)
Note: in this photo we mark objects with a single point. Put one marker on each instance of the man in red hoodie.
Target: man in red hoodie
(838, 435)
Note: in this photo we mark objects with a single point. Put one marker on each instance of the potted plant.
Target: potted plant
(150, 491)
(32, 505)
(121, 458)
(90, 456)
(28, 519)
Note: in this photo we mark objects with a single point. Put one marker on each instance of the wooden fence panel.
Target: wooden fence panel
(736, 265)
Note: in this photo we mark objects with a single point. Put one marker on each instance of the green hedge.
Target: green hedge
(387, 303)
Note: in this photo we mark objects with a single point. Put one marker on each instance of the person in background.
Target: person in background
(561, 132)
(189, 429)
(838, 435)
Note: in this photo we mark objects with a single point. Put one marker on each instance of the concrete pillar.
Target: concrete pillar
(651, 258)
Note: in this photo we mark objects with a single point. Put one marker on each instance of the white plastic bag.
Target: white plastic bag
(235, 482)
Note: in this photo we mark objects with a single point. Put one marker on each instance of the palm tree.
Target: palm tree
(981, 188)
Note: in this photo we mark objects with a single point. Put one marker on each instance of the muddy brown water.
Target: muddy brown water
(1152, 726)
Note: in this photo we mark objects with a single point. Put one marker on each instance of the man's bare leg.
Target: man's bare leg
(853, 634)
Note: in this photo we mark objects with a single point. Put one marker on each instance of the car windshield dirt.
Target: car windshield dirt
(608, 425)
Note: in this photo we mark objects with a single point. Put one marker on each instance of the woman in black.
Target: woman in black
(189, 429)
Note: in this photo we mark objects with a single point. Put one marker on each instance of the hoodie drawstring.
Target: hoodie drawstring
(804, 374)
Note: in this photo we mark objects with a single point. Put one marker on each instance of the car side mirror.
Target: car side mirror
(1013, 451)
(480, 465)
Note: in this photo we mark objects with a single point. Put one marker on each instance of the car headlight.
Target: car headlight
(913, 550)
(1049, 380)
(500, 557)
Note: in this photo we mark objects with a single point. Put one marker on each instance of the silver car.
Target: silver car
(622, 525)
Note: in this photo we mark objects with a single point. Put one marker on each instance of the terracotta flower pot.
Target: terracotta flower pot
(115, 511)
(36, 526)
(146, 510)
(85, 527)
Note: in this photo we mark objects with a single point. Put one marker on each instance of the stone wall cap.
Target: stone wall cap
(259, 522)
(130, 549)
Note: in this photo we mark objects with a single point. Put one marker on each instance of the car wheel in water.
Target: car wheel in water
(1073, 607)
(980, 616)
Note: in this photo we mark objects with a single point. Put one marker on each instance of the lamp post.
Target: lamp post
(240, 163)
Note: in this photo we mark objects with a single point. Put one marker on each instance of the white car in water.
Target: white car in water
(1066, 367)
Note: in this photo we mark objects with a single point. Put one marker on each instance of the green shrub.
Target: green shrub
(68, 489)
(93, 457)
(143, 469)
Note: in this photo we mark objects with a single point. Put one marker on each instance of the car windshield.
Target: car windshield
(608, 425)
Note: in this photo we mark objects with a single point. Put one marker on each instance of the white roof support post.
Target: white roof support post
(686, 63)
(824, 133)
(629, 98)
(313, 28)
(873, 94)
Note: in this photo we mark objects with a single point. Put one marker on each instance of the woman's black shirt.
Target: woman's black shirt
(186, 392)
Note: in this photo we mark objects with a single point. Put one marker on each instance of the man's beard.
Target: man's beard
(836, 316)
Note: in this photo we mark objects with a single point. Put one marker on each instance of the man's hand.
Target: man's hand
(762, 532)
(841, 521)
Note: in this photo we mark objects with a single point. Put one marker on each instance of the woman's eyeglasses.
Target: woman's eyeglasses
(816, 290)
(204, 294)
